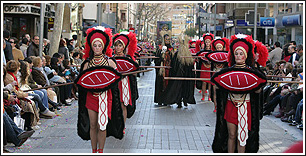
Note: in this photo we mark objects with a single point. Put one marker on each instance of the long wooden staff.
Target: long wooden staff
(206, 79)
(146, 53)
(146, 57)
(278, 76)
(63, 84)
(191, 56)
(209, 71)
(154, 67)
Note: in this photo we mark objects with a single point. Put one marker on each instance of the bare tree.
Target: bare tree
(148, 13)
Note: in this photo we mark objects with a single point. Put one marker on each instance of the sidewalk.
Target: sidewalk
(153, 129)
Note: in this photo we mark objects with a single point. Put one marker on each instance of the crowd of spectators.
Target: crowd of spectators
(285, 64)
(30, 83)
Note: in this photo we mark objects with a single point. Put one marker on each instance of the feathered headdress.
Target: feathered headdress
(129, 42)
(198, 45)
(209, 36)
(223, 41)
(244, 42)
(190, 42)
(104, 35)
(262, 52)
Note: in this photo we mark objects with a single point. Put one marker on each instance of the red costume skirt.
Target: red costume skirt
(205, 74)
(92, 102)
(231, 113)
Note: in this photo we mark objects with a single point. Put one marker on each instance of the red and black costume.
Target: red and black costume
(98, 87)
(237, 101)
(128, 84)
(203, 62)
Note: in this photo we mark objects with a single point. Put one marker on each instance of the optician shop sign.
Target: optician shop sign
(27, 9)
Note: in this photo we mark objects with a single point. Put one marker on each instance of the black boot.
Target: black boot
(179, 105)
(54, 104)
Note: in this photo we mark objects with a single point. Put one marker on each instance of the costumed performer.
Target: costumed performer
(100, 112)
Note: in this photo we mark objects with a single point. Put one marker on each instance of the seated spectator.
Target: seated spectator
(28, 83)
(29, 109)
(14, 134)
(41, 78)
(17, 54)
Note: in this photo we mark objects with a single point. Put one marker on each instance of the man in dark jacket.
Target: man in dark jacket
(8, 49)
(33, 49)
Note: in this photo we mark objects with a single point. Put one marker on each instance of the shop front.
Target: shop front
(22, 19)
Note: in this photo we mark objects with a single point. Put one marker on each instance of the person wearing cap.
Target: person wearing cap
(237, 127)
(100, 113)
(218, 45)
(125, 45)
(205, 65)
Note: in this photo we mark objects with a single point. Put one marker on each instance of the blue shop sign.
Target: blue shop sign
(267, 21)
(292, 20)
(244, 23)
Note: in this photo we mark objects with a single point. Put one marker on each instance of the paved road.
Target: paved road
(153, 129)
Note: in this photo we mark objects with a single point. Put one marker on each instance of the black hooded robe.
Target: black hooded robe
(159, 81)
(180, 90)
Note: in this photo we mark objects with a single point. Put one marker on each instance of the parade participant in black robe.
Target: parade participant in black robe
(238, 117)
(125, 45)
(165, 54)
(100, 113)
(179, 91)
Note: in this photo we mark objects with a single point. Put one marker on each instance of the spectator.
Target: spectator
(14, 134)
(293, 43)
(33, 49)
(299, 63)
(63, 49)
(3, 55)
(293, 55)
(46, 46)
(8, 48)
(24, 46)
(17, 54)
(276, 54)
(70, 45)
(65, 90)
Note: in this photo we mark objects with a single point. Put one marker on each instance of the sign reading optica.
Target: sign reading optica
(267, 21)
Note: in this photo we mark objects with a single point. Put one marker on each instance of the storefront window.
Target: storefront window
(288, 8)
(284, 35)
(299, 7)
(281, 8)
(299, 36)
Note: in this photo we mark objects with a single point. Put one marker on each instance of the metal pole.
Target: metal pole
(266, 29)
(41, 28)
(255, 22)
(99, 14)
(215, 19)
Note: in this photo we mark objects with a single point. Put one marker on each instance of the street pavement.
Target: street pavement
(153, 129)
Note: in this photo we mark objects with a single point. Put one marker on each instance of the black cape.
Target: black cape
(221, 132)
(159, 86)
(134, 95)
(114, 127)
(180, 90)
